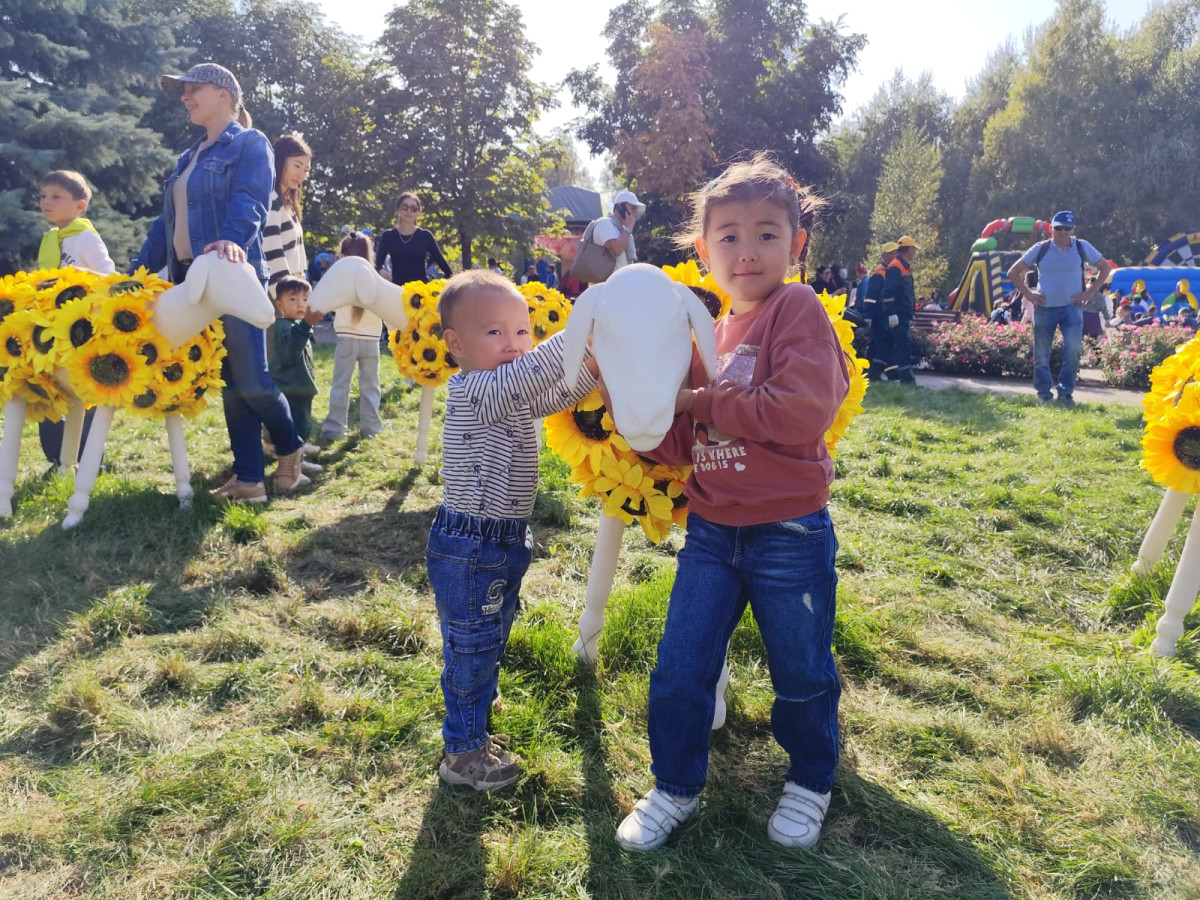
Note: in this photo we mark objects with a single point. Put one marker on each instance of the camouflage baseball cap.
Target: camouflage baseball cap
(204, 73)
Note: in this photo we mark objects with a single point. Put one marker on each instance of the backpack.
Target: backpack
(1096, 304)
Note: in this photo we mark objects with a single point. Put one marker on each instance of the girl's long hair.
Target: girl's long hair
(287, 147)
(357, 244)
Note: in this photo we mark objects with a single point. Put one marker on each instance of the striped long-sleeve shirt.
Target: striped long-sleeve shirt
(489, 445)
(283, 244)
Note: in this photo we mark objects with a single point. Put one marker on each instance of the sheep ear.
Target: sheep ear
(579, 328)
(197, 278)
(702, 327)
(364, 285)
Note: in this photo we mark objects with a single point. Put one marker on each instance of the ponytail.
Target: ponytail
(243, 116)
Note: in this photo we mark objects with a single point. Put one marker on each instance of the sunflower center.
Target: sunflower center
(7, 308)
(38, 389)
(429, 354)
(146, 400)
(127, 320)
(40, 343)
(676, 502)
(149, 353)
(12, 346)
(450, 360)
(638, 510)
(552, 315)
(173, 372)
(590, 423)
(66, 295)
(1187, 446)
(80, 332)
(436, 331)
(109, 369)
(195, 353)
(124, 287)
(710, 300)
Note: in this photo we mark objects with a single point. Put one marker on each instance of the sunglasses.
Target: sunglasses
(405, 207)
(1064, 227)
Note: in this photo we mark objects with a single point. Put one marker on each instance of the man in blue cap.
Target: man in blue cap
(1059, 294)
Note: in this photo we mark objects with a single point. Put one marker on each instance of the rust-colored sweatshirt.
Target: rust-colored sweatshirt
(757, 435)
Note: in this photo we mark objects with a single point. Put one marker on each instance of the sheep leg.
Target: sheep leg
(72, 430)
(1182, 595)
(722, 684)
(1160, 531)
(600, 582)
(424, 417)
(89, 466)
(10, 451)
(179, 461)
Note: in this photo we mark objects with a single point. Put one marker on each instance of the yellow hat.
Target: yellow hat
(890, 247)
(906, 241)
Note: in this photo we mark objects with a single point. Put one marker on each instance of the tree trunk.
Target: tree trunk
(464, 246)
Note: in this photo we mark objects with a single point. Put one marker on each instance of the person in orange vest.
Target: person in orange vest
(898, 304)
(879, 349)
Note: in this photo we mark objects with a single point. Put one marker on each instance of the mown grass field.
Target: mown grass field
(237, 702)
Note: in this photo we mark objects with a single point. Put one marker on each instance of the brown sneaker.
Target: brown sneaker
(485, 768)
(288, 476)
(242, 491)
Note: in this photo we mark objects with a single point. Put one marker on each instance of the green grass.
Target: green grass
(236, 702)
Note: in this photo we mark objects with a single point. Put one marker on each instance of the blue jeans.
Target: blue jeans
(785, 571)
(1045, 320)
(252, 400)
(475, 568)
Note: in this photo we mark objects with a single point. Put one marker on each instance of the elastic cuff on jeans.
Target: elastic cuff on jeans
(677, 791)
(466, 746)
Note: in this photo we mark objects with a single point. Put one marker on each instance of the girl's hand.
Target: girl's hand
(227, 250)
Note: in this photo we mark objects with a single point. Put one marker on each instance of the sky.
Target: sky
(951, 39)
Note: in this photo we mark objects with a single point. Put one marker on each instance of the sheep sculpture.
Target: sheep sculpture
(74, 339)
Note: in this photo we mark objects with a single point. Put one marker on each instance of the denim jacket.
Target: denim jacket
(228, 194)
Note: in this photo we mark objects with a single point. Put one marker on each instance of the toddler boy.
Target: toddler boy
(480, 544)
(290, 357)
(72, 241)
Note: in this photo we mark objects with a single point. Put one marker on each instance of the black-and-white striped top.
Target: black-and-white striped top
(489, 446)
(283, 244)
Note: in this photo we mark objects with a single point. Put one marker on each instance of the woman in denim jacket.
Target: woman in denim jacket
(224, 181)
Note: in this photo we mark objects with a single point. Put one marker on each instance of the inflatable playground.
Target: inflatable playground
(985, 280)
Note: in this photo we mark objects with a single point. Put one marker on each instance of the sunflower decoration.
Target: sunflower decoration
(419, 350)
(1171, 444)
(703, 285)
(124, 313)
(16, 346)
(54, 288)
(548, 310)
(108, 372)
(71, 326)
(585, 433)
(44, 397)
(1170, 378)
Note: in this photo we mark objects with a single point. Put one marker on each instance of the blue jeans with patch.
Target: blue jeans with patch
(1045, 320)
(785, 571)
(475, 568)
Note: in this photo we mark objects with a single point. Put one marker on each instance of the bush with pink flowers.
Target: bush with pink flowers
(974, 346)
(1127, 355)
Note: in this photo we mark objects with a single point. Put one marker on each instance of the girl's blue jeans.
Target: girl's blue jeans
(785, 571)
(252, 400)
(475, 568)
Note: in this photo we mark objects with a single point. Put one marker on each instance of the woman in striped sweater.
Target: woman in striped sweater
(283, 237)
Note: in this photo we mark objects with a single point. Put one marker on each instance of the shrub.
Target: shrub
(1128, 355)
(974, 346)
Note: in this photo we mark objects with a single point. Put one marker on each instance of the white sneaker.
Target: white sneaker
(797, 820)
(311, 449)
(653, 819)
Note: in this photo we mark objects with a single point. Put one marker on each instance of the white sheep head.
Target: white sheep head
(641, 323)
(353, 281)
(214, 287)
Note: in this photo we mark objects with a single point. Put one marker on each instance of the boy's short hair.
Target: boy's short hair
(465, 282)
(71, 182)
(292, 284)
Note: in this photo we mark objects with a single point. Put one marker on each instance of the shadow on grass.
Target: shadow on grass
(448, 861)
(132, 534)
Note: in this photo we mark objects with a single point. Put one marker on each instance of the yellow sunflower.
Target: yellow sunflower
(548, 310)
(584, 432)
(1169, 379)
(703, 286)
(108, 373)
(1171, 445)
(16, 340)
(125, 313)
(72, 326)
(630, 493)
(60, 286)
(45, 397)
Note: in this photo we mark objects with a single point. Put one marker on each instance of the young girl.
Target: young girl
(758, 530)
(357, 342)
(283, 236)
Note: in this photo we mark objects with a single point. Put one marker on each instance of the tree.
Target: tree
(75, 84)
(906, 202)
(456, 117)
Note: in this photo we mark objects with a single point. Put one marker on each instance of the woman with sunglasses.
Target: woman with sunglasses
(409, 248)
